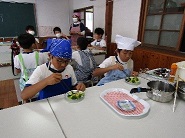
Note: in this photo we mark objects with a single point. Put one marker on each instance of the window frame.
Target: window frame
(142, 24)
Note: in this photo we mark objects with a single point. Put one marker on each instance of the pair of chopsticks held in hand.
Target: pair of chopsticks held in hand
(120, 66)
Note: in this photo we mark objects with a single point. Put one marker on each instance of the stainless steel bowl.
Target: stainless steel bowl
(160, 91)
(181, 90)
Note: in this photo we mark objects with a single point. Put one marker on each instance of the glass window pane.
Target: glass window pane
(151, 37)
(153, 22)
(155, 6)
(169, 39)
(172, 21)
(89, 20)
(174, 5)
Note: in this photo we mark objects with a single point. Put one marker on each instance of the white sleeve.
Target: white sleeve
(106, 63)
(73, 77)
(17, 64)
(102, 43)
(93, 43)
(43, 58)
(35, 77)
(75, 55)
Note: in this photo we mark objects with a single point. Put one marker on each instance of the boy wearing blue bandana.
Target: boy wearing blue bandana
(55, 77)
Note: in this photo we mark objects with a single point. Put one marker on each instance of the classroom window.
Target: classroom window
(163, 24)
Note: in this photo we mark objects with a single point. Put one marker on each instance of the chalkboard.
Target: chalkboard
(14, 17)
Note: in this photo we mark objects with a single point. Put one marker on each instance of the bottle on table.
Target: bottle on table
(173, 72)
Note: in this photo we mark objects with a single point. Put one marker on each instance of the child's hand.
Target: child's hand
(80, 87)
(134, 73)
(54, 78)
(117, 66)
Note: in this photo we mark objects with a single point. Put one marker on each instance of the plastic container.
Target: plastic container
(173, 69)
(173, 72)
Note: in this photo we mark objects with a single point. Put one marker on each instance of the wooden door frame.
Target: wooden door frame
(108, 24)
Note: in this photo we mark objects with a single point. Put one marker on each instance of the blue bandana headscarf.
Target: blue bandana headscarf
(61, 48)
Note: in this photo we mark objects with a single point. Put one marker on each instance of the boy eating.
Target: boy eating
(55, 77)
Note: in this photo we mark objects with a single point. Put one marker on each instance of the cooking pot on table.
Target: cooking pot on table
(181, 90)
(158, 91)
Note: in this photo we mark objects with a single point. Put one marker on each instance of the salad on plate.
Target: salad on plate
(75, 95)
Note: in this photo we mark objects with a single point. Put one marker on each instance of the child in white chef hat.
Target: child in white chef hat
(121, 65)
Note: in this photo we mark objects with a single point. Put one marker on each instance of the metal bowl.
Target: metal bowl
(160, 91)
(181, 90)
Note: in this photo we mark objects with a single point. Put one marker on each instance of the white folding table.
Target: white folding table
(32, 120)
(92, 118)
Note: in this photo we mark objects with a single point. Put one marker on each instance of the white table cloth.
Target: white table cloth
(92, 118)
(32, 120)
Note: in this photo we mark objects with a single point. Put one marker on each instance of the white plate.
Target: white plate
(73, 99)
(111, 96)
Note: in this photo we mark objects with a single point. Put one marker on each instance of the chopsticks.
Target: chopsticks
(126, 74)
(65, 85)
(175, 98)
(61, 82)
(117, 61)
(177, 85)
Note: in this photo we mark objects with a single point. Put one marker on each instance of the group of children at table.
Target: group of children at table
(54, 76)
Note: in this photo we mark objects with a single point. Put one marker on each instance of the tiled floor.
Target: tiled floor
(8, 96)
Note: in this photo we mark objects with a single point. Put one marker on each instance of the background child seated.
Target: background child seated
(99, 43)
(55, 77)
(58, 33)
(27, 61)
(85, 62)
(31, 30)
(119, 66)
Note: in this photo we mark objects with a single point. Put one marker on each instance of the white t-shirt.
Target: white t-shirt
(42, 72)
(76, 57)
(110, 61)
(100, 43)
(29, 61)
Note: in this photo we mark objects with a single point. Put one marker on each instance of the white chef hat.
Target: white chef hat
(126, 43)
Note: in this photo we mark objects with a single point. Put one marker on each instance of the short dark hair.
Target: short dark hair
(26, 40)
(99, 31)
(82, 43)
(119, 50)
(56, 29)
(30, 27)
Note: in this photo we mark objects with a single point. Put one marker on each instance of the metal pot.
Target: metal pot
(158, 91)
(181, 90)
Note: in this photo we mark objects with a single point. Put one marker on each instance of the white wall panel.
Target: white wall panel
(126, 18)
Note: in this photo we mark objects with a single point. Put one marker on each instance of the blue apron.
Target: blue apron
(52, 90)
(114, 75)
